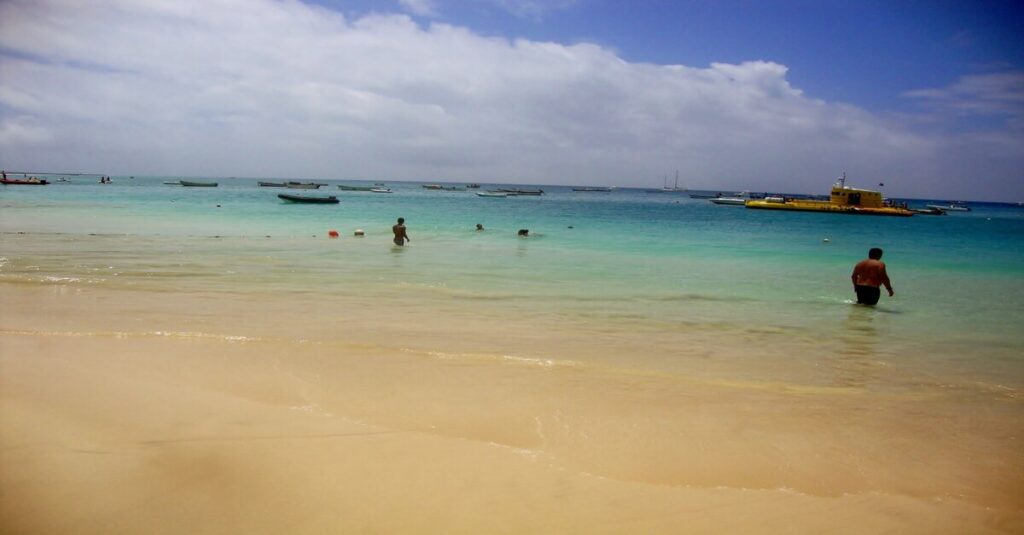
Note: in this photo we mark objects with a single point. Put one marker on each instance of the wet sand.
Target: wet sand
(160, 423)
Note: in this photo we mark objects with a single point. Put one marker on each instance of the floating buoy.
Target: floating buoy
(358, 232)
(332, 233)
(826, 240)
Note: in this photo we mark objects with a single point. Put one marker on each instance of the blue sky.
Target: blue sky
(865, 53)
(925, 96)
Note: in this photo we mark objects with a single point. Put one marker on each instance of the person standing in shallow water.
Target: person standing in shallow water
(399, 229)
(868, 275)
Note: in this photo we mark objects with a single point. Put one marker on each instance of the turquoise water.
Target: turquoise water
(629, 262)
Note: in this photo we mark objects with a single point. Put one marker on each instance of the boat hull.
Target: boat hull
(812, 206)
(10, 182)
(948, 208)
(308, 200)
(189, 184)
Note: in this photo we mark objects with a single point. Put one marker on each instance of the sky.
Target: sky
(926, 97)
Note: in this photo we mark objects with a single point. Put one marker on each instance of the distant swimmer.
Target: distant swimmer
(479, 226)
(868, 275)
(399, 229)
(524, 232)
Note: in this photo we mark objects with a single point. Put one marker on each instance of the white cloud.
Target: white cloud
(532, 9)
(422, 8)
(980, 94)
(267, 88)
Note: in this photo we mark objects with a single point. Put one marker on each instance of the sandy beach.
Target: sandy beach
(158, 424)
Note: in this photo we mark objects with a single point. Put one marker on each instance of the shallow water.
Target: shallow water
(649, 268)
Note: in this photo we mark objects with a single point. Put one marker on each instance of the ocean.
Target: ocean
(644, 342)
(635, 265)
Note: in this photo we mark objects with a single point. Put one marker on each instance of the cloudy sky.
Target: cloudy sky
(925, 96)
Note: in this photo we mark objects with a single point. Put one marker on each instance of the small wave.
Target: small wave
(507, 359)
(128, 334)
(702, 297)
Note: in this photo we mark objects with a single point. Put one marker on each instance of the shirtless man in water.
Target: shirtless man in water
(400, 236)
(868, 275)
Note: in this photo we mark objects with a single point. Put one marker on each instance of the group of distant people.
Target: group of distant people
(868, 276)
(402, 234)
(104, 180)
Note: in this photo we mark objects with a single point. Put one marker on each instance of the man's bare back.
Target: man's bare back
(868, 275)
(870, 272)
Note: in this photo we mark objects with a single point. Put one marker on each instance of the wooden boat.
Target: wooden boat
(928, 211)
(172, 182)
(302, 186)
(842, 200)
(432, 186)
(496, 194)
(517, 191)
(311, 200)
(26, 182)
(191, 184)
(344, 187)
(705, 195)
(271, 184)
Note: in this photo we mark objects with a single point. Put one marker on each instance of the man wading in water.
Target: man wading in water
(400, 236)
(868, 275)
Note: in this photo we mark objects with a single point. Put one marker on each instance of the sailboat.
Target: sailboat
(673, 188)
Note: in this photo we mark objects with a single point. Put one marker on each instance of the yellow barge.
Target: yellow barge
(843, 200)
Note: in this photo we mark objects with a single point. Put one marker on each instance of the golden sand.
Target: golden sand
(172, 415)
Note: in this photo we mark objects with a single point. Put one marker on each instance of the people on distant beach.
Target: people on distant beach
(868, 275)
(400, 235)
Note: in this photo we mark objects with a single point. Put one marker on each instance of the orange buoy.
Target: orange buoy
(333, 233)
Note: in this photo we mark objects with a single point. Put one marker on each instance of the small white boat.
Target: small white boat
(501, 194)
(951, 207)
(735, 201)
(381, 190)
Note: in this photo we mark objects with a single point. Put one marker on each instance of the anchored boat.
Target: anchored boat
(302, 185)
(191, 184)
(951, 207)
(27, 182)
(842, 200)
(311, 200)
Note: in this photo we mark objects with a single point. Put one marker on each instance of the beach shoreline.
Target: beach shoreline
(204, 429)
